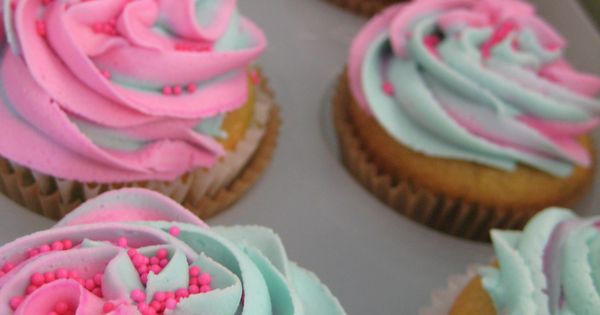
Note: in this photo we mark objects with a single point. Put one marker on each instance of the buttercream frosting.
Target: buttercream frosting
(109, 240)
(119, 90)
(476, 80)
(549, 268)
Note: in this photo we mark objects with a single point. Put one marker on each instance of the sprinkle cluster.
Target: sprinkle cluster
(37, 280)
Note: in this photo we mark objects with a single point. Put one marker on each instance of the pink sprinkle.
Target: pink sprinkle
(154, 260)
(388, 88)
(194, 289)
(138, 260)
(194, 271)
(162, 253)
(44, 248)
(37, 279)
(167, 90)
(40, 27)
(138, 296)
(30, 289)
(131, 252)
(90, 284)
(177, 90)
(160, 296)
(62, 274)
(191, 88)
(143, 308)
(156, 305)
(108, 307)
(142, 269)
(67, 244)
(98, 292)
(15, 302)
(74, 274)
(163, 262)
(204, 279)
(57, 246)
(33, 252)
(46, 2)
(182, 293)
(106, 74)
(8, 267)
(156, 269)
(122, 242)
(49, 277)
(171, 304)
(205, 288)
(61, 308)
(431, 43)
(175, 231)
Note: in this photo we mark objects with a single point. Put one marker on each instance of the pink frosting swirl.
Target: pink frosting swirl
(115, 90)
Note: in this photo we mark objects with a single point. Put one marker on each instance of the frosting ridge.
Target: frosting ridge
(482, 81)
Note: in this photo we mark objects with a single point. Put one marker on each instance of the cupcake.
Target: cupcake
(464, 115)
(365, 7)
(98, 95)
(549, 268)
(134, 251)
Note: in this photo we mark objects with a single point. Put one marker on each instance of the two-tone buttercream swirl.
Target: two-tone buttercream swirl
(134, 251)
(119, 90)
(476, 80)
(552, 267)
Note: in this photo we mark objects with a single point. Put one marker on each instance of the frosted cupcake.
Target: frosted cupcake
(102, 94)
(549, 268)
(465, 116)
(134, 251)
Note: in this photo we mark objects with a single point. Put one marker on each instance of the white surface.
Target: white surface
(373, 259)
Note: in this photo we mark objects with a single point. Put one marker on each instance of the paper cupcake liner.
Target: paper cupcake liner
(454, 216)
(442, 300)
(365, 7)
(205, 192)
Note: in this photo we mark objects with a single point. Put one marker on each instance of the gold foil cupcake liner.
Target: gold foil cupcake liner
(365, 7)
(205, 192)
(454, 216)
(442, 300)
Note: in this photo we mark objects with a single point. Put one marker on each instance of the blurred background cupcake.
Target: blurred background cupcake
(98, 95)
(548, 268)
(465, 116)
(365, 7)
